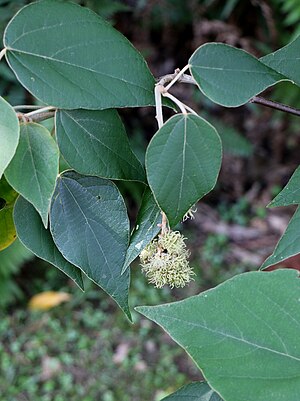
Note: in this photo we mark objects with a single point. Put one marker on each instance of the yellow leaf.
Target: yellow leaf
(7, 228)
(47, 300)
(8, 197)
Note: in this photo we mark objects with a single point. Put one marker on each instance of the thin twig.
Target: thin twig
(41, 114)
(184, 78)
(188, 79)
(159, 116)
(37, 117)
(190, 109)
(178, 73)
(158, 106)
(2, 53)
(26, 107)
(275, 105)
(183, 107)
(39, 111)
(176, 101)
(178, 76)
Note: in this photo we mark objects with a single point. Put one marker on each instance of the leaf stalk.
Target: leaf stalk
(2, 53)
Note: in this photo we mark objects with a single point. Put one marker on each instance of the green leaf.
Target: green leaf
(38, 240)
(289, 243)
(286, 61)
(34, 168)
(146, 228)
(7, 228)
(94, 142)
(9, 134)
(90, 227)
(290, 195)
(194, 392)
(243, 335)
(183, 161)
(69, 57)
(230, 76)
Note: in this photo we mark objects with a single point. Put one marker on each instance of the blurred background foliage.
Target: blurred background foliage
(85, 349)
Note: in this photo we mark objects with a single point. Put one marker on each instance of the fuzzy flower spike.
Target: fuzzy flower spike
(165, 261)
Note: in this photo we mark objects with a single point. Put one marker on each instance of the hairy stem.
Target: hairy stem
(2, 53)
(26, 107)
(40, 111)
(184, 78)
(176, 101)
(38, 117)
(183, 107)
(159, 116)
(158, 106)
(178, 73)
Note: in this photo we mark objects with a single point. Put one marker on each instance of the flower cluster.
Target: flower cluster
(165, 261)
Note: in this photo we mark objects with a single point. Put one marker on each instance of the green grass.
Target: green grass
(86, 350)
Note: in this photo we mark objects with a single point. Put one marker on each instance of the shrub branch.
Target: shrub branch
(188, 79)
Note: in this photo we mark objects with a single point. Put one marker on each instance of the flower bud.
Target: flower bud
(165, 261)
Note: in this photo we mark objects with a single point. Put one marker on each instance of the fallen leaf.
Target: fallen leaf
(47, 300)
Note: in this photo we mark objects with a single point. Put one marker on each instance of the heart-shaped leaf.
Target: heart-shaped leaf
(290, 195)
(90, 227)
(38, 240)
(243, 335)
(230, 76)
(286, 61)
(34, 168)
(183, 161)
(289, 243)
(69, 57)
(9, 134)
(94, 142)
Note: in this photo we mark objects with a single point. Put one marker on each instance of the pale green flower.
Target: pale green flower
(165, 261)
